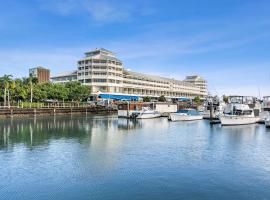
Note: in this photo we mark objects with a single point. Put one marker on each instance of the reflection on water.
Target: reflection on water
(103, 157)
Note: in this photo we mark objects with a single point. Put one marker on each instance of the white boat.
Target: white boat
(146, 113)
(266, 110)
(267, 123)
(185, 115)
(216, 104)
(237, 112)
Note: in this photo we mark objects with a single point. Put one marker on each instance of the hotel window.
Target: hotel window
(100, 80)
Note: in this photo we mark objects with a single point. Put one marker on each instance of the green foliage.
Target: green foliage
(197, 100)
(30, 105)
(146, 99)
(162, 98)
(76, 91)
(225, 98)
(20, 90)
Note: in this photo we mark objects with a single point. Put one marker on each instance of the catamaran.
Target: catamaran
(239, 111)
(185, 115)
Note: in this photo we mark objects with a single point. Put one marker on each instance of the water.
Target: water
(103, 157)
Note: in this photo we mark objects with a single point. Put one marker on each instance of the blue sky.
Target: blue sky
(225, 41)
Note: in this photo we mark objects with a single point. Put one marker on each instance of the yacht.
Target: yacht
(267, 122)
(266, 111)
(239, 111)
(185, 115)
(146, 113)
(216, 104)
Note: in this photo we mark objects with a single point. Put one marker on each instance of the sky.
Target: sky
(227, 42)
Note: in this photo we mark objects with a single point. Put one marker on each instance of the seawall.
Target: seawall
(20, 112)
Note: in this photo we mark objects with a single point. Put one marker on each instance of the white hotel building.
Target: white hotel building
(104, 73)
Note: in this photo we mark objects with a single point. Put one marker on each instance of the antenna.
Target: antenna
(259, 92)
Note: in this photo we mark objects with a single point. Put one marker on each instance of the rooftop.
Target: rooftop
(153, 77)
(101, 53)
(66, 73)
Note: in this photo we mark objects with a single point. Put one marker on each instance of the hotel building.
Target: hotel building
(104, 73)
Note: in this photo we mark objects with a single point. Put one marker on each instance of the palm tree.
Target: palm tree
(6, 81)
(30, 81)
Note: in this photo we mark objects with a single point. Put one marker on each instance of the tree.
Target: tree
(225, 98)
(146, 99)
(197, 100)
(20, 90)
(6, 81)
(76, 91)
(30, 81)
(162, 98)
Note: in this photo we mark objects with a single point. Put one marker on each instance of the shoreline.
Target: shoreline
(22, 112)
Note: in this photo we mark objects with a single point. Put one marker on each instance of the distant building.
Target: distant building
(103, 72)
(41, 73)
(198, 81)
(64, 77)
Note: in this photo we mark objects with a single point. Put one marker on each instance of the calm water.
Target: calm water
(103, 157)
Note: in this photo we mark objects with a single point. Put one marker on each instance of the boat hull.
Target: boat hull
(179, 117)
(267, 123)
(149, 116)
(237, 120)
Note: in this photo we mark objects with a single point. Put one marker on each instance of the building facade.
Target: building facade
(101, 70)
(41, 73)
(64, 77)
(198, 81)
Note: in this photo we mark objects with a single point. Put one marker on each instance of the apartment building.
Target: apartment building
(104, 73)
(41, 73)
(198, 81)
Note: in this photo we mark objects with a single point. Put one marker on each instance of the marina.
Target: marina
(81, 156)
(134, 100)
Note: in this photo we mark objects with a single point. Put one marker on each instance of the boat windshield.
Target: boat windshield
(189, 112)
(242, 112)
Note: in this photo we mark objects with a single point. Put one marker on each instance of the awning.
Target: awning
(183, 99)
(118, 97)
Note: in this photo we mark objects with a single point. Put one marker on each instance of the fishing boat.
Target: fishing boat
(146, 113)
(185, 115)
(239, 112)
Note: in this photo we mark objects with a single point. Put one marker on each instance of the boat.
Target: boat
(267, 122)
(146, 113)
(185, 115)
(217, 107)
(266, 111)
(239, 112)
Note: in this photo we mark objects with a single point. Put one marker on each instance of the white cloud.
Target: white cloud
(100, 11)
(18, 61)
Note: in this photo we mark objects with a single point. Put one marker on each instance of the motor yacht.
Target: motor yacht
(239, 112)
(185, 115)
(146, 113)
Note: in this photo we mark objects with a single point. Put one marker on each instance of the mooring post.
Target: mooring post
(211, 112)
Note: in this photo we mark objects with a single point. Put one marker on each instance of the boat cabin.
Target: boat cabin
(266, 103)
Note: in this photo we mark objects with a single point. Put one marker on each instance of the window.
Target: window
(100, 80)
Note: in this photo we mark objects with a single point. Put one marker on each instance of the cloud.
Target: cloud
(18, 61)
(100, 11)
